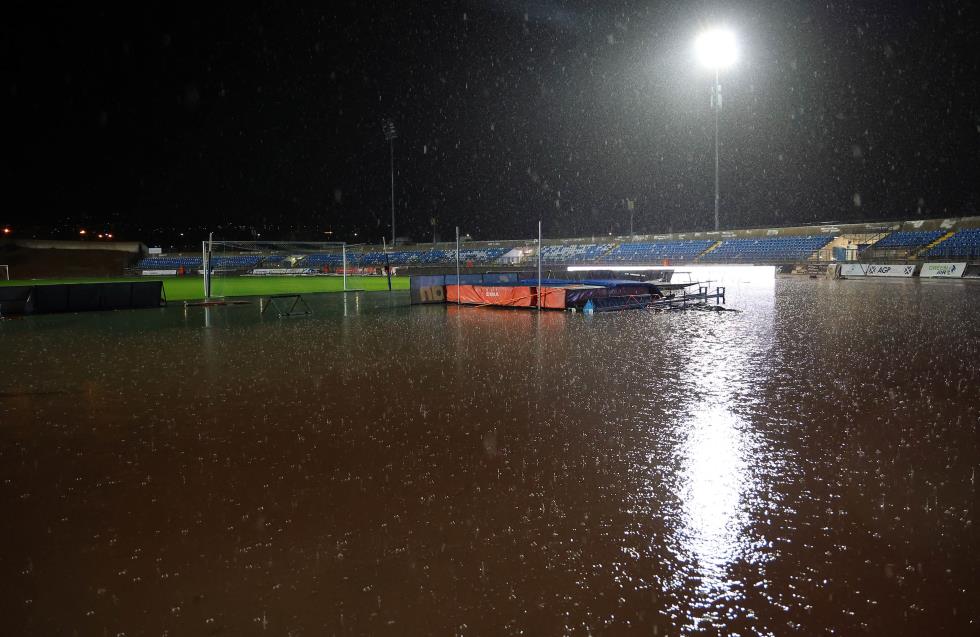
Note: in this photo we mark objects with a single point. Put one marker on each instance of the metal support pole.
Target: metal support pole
(343, 252)
(210, 252)
(539, 265)
(457, 266)
(716, 103)
(204, 266)
(391, 145)
(384, 249)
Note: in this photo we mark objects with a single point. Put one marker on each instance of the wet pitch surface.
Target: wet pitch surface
(805, 466)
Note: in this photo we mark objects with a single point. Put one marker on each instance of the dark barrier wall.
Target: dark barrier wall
(147, 295)
(81, 297)
(428, 289)
(15, 299)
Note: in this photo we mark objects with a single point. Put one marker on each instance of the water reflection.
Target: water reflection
(716, 487)
(713, 486)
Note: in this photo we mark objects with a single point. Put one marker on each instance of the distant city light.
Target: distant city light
(716, 49)
(100, 235)
(82, 232)
(7, 231)
(109, 236)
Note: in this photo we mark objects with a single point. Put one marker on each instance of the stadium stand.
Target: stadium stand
(963, 244)
(403, 257)
(768, 249)
(273, 259)
(907, 239)
(236, 262)
(582, 253)
(657, 252)
(432, 257)
(320, 259)
(476, 255)
(169, 263)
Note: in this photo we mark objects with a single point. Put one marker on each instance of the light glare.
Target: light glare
(716, 49)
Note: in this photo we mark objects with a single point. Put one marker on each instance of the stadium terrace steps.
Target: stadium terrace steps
(964, 244)
(713, 247)
(933, 244)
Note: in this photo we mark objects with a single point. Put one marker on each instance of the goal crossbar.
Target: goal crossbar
(222, 257)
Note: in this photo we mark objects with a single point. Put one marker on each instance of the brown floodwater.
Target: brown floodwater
(804, 466)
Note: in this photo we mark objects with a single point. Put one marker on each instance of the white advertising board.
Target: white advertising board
(159, 272)
(942, 270)
(275, 271)
(898, 270)
(872, 269)
(853, 269)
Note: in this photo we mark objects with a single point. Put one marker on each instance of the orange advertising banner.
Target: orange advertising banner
(553, 298)
(509, 296)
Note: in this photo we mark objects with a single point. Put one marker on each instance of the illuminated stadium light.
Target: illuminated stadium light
(7, 231)
(716, 49)
(82, 231)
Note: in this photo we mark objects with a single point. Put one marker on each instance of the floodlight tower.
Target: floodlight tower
(715, 49)
(391, 134)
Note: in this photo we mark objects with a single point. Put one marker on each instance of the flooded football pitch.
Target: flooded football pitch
(804, 466)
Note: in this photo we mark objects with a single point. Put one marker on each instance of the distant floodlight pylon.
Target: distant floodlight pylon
(716, 49)
(388, 126)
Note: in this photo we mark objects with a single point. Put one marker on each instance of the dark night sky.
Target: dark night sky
(210, 116)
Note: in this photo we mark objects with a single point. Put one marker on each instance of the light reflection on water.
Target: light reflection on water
(714, 485)
(716, 489)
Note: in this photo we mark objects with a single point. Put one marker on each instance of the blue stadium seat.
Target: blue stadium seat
(908, 239)
(965, 244)
(658, 251)
(580, 253)
(169, 263)
(767, 249)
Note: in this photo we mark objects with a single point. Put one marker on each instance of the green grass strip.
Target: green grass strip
(191, 288)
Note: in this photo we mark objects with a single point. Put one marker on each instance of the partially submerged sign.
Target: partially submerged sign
(873, 269)
(892, 270)
(943, 270)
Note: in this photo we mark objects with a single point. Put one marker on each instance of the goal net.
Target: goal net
(256, 268)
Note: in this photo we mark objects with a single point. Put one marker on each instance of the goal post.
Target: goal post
(4, 272)
(234, 268)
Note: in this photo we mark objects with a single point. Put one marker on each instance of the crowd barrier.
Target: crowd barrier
(80, 297)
